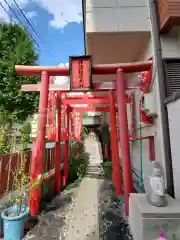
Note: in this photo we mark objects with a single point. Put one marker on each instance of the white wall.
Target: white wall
(174, 120)
(117, 16)
(170, 43)
(149, 130)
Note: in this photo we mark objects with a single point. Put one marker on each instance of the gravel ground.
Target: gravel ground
(52, 223)
(111, 215)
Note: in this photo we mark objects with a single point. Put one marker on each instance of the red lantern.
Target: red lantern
(146, 80)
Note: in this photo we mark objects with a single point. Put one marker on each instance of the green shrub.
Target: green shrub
(107, 167)
(77, 165)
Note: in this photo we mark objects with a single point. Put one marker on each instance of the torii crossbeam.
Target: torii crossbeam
(80, 72)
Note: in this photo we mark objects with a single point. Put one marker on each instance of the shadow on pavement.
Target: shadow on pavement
(50, 223)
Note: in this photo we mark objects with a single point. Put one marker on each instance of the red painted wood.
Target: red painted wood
(84, 101)
(124, 138)
(96, 69)
(104, 86)
(92, 109)
(50, 118)
(77, 125)
(114, 146)
(38, 151)
(66, 147)
(57, 180)
(104, 97)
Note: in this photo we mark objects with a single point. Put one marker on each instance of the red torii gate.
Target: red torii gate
(45, 73)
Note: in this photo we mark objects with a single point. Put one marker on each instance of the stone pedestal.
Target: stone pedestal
(147, 221)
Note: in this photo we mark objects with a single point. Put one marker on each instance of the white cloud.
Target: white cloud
(30, 15)
(63, 11)
(61, 79)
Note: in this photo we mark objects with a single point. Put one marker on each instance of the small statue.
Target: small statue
(155, 188)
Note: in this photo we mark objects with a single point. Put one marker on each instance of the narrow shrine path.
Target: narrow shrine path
(71, 215)
(84, 221)
(84, 211)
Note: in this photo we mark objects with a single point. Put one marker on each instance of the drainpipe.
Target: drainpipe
(160, 79)
(84, 25)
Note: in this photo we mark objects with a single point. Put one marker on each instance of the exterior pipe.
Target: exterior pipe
(124, 138)
(160, 79)
(140, 154)
(96, 69)
(38, 153)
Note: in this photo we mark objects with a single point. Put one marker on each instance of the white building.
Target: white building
(122, 31)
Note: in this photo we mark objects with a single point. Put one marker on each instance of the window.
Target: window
(18, 139)
(172, 75)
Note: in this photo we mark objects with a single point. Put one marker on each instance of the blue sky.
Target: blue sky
(57, 22)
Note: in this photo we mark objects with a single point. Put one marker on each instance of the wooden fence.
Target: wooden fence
(10, 163)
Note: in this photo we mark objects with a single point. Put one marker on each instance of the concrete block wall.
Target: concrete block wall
(147, 221)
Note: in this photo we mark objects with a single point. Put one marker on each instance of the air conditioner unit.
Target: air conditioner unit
(149, 105)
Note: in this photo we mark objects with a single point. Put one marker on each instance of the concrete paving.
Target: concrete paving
(84, 221)
(74, 214)
(83, 224)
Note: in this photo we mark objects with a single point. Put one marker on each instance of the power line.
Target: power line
(6, 12)
(12, 20)
(27, 20)
(19, 19)
(29, 23)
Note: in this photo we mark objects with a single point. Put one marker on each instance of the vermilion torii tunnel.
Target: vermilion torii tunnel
(80, 72)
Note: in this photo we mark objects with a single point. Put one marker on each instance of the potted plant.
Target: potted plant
(14, 216)
(2, 207)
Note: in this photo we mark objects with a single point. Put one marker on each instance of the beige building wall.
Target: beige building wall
(120, 31)
(170, 45)
(116, 16)
(148, 130)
